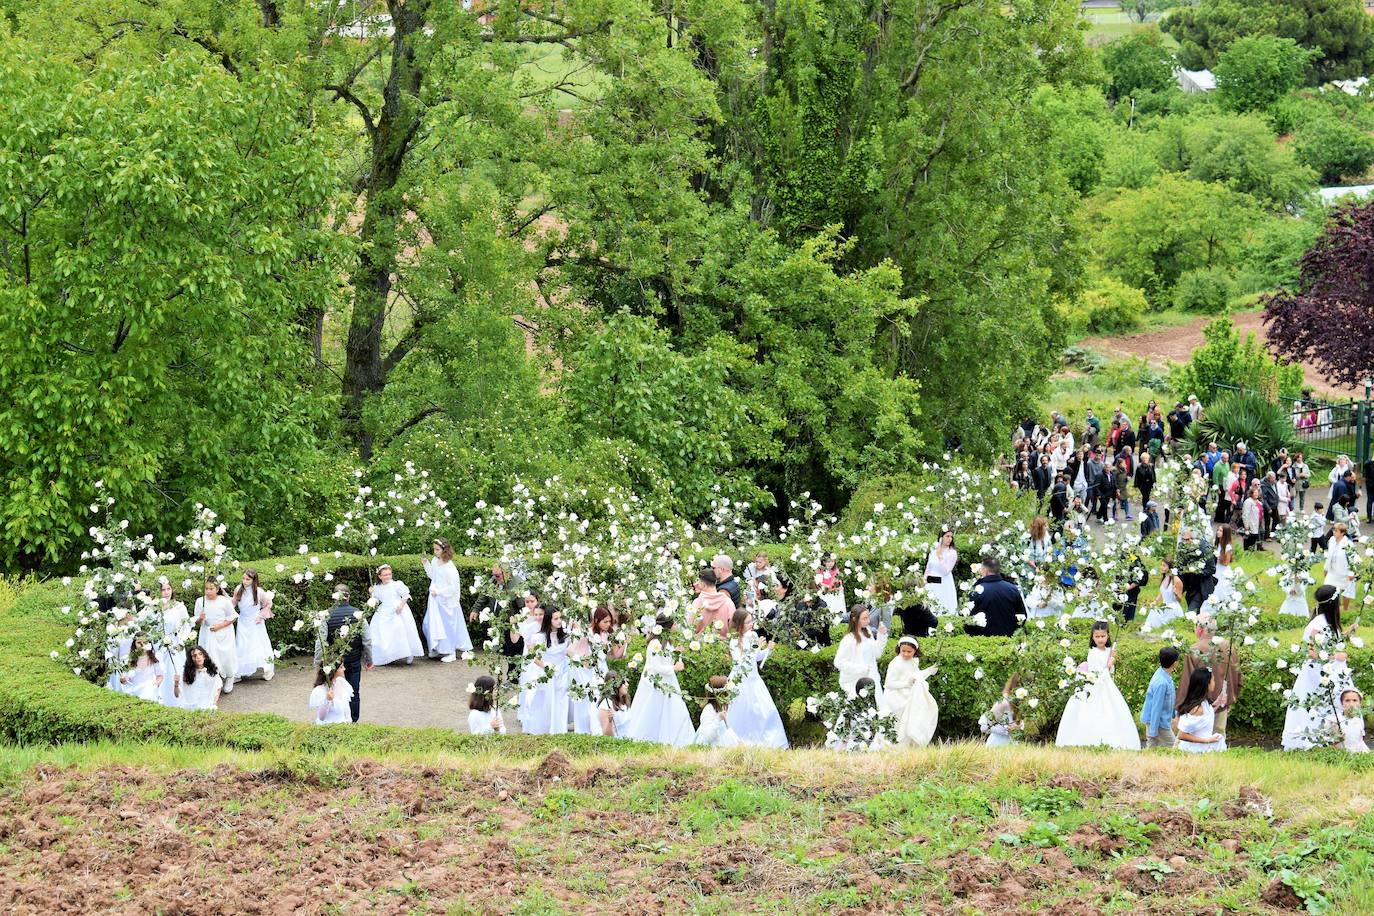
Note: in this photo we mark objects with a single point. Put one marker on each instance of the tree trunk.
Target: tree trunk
(365, 369)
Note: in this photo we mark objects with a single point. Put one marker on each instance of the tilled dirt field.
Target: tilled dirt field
(631, 837)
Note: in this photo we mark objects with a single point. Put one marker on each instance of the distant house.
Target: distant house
(1195, 80)
(1359, 190)
(1352, 87)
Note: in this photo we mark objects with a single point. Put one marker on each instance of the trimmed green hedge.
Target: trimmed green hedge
(41, 702)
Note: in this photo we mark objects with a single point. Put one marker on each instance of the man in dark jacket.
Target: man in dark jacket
(359, 654)
(1179, 418)
(1059, 500)
(1145, 477)
(999, 600)
(1042, 478)
(1368, 489)
(1149, 522)
(724, 568)
(1092, 476)
(1269, 496)
(1246, 458)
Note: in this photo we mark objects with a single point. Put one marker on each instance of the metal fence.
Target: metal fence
(1329, 428)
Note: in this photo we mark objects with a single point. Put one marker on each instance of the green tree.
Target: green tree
(1334, 149)
(1078, 141)
(1339, 31)
(162, 236)
(1238, 151)
(1148, 237)
(1255, 71)
(1224, 359)
(1138, 63)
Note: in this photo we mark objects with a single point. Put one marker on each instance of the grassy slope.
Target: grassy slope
(961, 828)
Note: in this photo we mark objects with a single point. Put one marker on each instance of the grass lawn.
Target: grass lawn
(961, 828)
(1107, 25)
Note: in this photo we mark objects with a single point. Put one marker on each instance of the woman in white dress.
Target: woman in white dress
(1170, 598)
(714, 730)
(1098, 714)
(857, 656)
(215, 616)
(144, 677)
(200, 684)
(392, 627)
(753, 714)
(548, 699)
(614, 711)
(907, 698)
(484, 718)
(1312, 701)
(528, 629)
(659, 713)
(1195, 722)
(1336, 566)
(587, 664)
(330, 698)
(176, 623)
(940, 575)
(999, 722)
(1225, 573)
(446, 632)
(254, 606)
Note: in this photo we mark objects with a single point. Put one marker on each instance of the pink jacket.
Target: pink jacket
(712, 607)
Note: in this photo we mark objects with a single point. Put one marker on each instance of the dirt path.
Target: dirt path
(1178, 343)
(425, 694)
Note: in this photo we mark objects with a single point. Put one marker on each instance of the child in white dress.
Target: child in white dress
(216, 615)
(1313, 700)
(548, 711)
(200, 681)
(714, 730)
(1195, 721)
(445, 630)
(659, 712)
(754, 716)
(1170, 597)
(144, 677)
(392, 627)
(857, 656)
(1352, 722)
(907, 698)
(330, 698)
(1098, 714)
(483, 716)
(614, 711)
(252, 646)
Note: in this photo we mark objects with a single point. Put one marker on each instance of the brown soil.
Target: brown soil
(1178, 343)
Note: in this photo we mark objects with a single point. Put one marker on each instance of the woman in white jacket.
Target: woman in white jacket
(857, 656)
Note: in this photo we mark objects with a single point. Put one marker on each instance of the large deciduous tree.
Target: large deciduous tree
(160, 233)
(1328, 319)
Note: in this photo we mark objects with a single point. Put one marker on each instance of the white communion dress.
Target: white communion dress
(1169, 610)
(335, 711)
(252, 645)
(857, 660)
(907, 699)
(657, 714)
(753, 714)
(1313, 702)
(445, 630)
(1101, 717)
(1200, 724)
(392, 627)
(220, 645)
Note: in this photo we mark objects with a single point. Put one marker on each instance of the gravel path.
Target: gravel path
(427, 694)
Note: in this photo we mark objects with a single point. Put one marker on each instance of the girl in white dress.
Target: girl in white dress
(548, 709)
(940, 575)
(614, 711)
(753, 714)
(330, 698)
(1170, 594)
(1313, 701)
(1295, 599)
(144, 677)
(392, 628)
(200, 683)
(529, 629)
(215, 615)
(858, 653)
(171, 654)
(1351, 725)
(445, 630)
(831, 586)
(865, 687)
(591, 675)
(1195, 722)
(1098, 714)
(1225, 574)
(907, 698)
(714, 730)
(999, 722)
(483, 716)
(659, 713)
(254, 606)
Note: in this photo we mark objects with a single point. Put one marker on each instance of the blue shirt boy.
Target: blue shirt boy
(1158, 714)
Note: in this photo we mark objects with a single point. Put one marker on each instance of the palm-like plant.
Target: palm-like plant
(1249, 417)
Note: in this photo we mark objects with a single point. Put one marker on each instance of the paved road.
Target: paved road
(427, 693)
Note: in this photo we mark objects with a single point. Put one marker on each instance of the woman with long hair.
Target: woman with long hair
(587, 666)
(330, 698)
(172, 654)
(548, 700)
(940, 575)
(753, 715)
(1194, 720)
(1316, 688)
(200, 683)
(446, 632)
(857, 656)
(252, 644)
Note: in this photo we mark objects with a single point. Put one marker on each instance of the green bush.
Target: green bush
(1205, 290)
(1107, 306)
(1335, 150)
(1248, 417)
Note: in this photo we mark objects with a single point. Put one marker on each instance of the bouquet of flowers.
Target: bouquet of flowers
(853, 723)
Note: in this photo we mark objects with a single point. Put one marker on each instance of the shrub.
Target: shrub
(1334, 149)
(1248, 417)
(1225, 359)
(1106, 306)
(1258, 70)
(1206, 290)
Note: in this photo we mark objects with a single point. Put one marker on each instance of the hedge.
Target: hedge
(41, 702)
